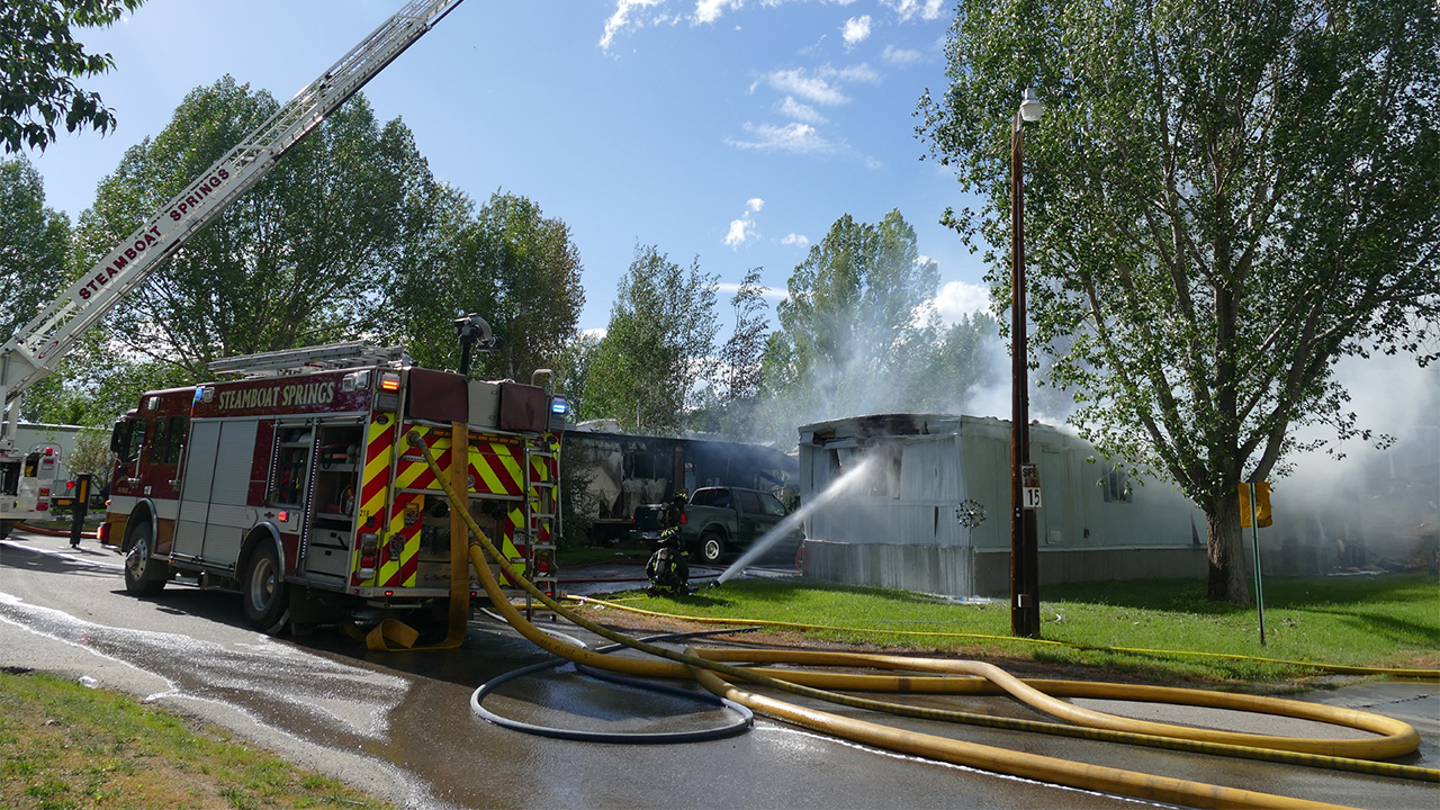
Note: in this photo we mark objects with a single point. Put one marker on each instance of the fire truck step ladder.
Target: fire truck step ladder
(311, 358)
(541, 522)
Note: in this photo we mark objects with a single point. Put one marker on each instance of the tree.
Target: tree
(33, 242)
(433, 277)
(849, 334)
(42, 59)
(743, 352)
(92, 457)
(732, 400)
(572, 369)
(1223, 199)
(290, 263)
(535, 269)
(657, 348)
(508, 263)
(949, 374)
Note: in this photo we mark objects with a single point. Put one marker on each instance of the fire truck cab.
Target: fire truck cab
(295, 484)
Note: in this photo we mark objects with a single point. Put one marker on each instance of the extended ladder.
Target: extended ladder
(542, 519)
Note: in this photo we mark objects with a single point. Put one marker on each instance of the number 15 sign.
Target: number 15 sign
(1029, 486)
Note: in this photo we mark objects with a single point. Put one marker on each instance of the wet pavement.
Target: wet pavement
(400, 724)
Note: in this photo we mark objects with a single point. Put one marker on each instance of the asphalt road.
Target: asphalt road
(400, 725)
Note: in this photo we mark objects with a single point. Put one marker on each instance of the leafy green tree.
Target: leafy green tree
(92, 456)
(1223, 199)
(433, 277)
(94, 384)
(743, 352)
(730, 404)
(507, 262)
(849, 336)
(534, 269)
(42, 60)
(657, 351)
(290, 263)
(957, 364)
(33, 242)
(572, 369)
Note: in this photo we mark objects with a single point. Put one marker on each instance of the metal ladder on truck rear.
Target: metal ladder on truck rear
(542, 521)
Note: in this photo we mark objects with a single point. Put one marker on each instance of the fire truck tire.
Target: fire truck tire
(712, 547)
(144, 575)
(5, 528)
(266, 597)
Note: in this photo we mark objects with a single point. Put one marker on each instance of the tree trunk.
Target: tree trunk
(1226, 551)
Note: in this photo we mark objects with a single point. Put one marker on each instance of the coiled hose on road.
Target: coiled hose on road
(706, 667)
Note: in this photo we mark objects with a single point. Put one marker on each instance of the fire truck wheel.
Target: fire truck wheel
(267, 603)
(712, 547)
(144, 575)
(5, 528)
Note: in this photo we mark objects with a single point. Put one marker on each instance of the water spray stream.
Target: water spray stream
(794, 519)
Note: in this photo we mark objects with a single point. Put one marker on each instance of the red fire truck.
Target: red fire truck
(295, 485)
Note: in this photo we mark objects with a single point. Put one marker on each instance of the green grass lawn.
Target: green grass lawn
(64, 746)
(1382, 621)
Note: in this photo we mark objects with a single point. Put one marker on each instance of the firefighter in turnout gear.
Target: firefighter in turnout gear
(667, 570)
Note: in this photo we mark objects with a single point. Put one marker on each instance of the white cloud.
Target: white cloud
(811, 88)
(924, 9)
(793, 137)
(855, 73)
(622, 19)
(708, 11)
(901, 56)
(796, 239)
(957, 299)
(630, 15)
(823, 85)
(790, 108)
(856, 30)
(742, 230)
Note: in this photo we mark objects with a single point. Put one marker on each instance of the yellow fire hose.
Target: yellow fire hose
(704, 667)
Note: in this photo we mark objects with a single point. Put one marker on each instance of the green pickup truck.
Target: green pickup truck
(723, 521)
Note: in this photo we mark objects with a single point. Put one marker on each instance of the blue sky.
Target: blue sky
(730, 130)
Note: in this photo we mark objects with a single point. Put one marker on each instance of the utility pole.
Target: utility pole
(1024, 481)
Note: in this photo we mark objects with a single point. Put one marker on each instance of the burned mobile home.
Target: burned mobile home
(610, 474)
(897, 526)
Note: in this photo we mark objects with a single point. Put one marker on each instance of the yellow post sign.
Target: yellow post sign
(1262, 505)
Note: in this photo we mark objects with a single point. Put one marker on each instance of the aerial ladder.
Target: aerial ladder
(35, 351)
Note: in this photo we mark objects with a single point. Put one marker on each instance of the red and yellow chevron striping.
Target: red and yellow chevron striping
(494, 469)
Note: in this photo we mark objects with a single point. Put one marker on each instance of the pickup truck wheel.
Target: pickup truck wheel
(144, 575)
(712, 547)
(267, 598)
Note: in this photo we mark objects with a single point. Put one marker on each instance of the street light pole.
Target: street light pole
(1024, 547)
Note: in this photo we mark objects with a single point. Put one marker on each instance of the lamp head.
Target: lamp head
(1031, 107)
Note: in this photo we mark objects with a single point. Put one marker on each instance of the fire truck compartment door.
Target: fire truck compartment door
(213, 517)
